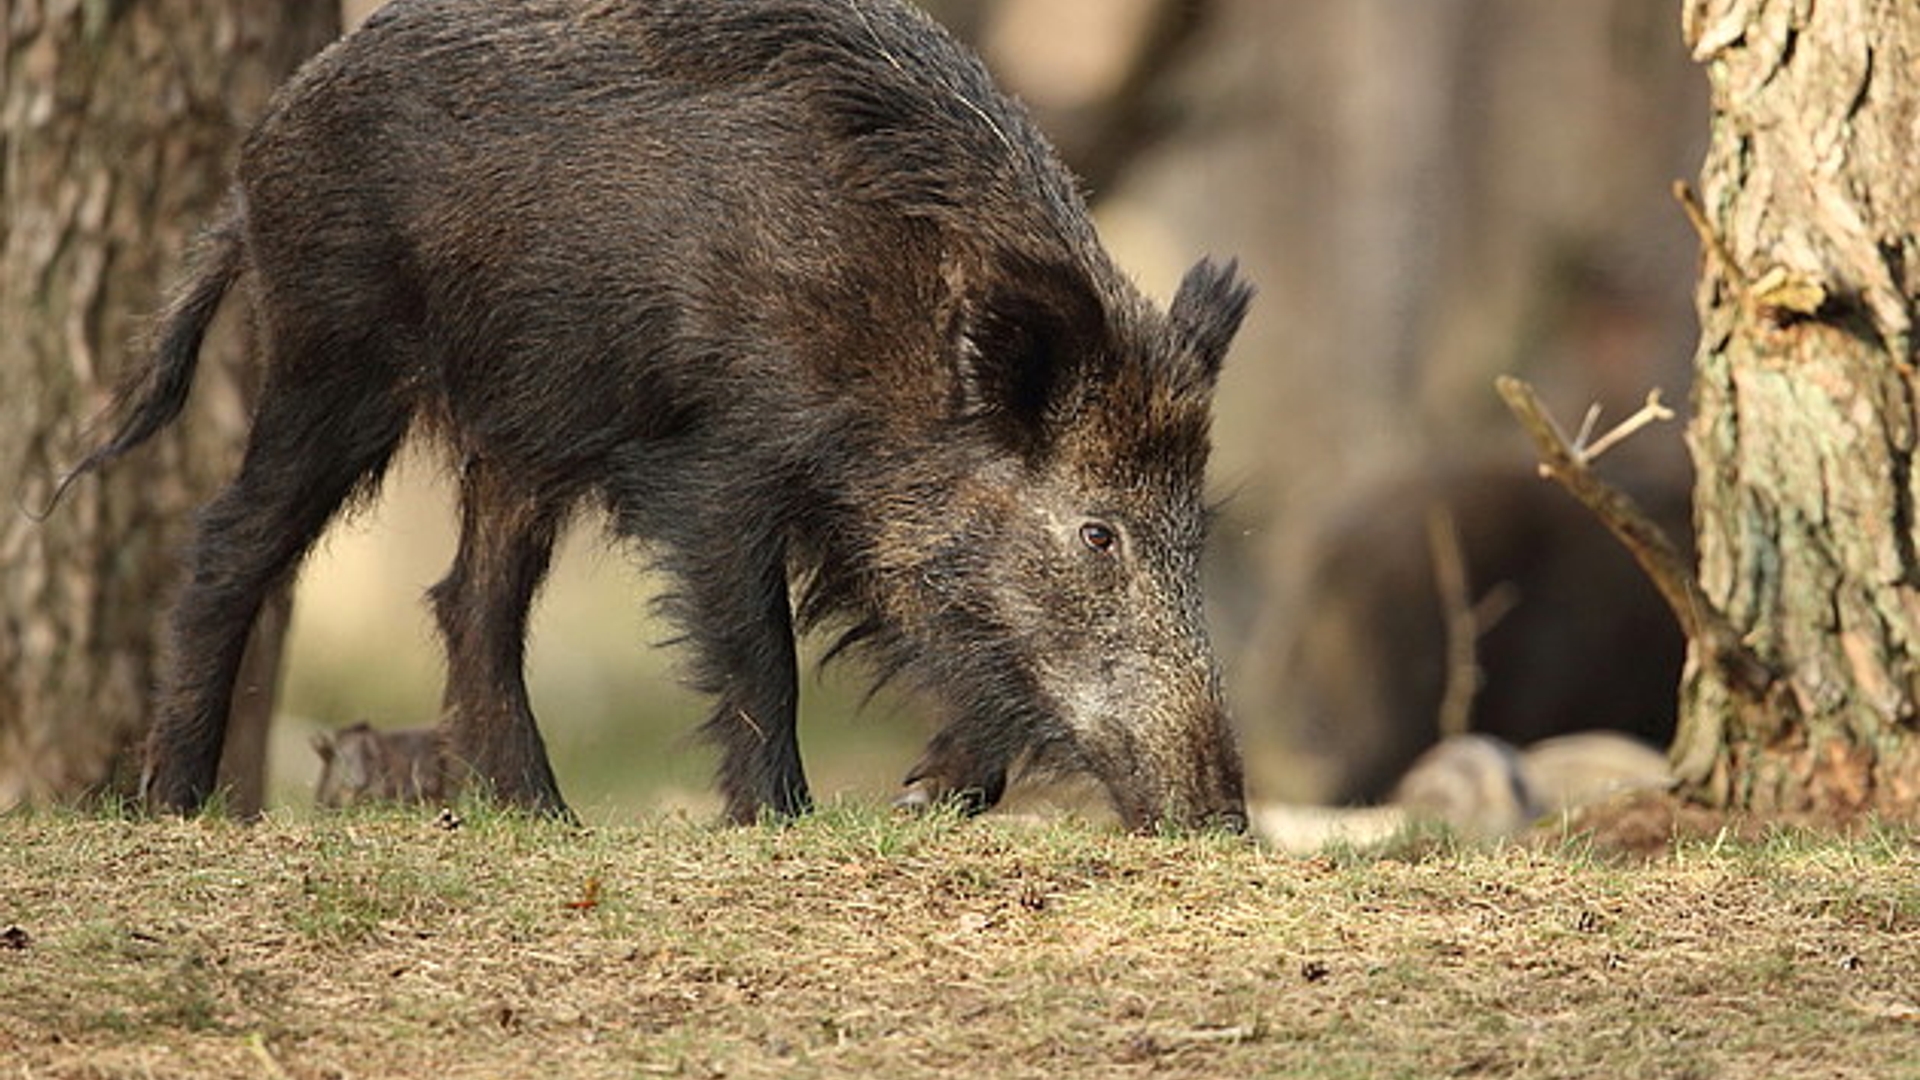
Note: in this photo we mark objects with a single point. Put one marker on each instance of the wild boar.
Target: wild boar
(798, 299)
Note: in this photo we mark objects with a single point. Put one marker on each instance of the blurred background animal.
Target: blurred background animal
(360, 763)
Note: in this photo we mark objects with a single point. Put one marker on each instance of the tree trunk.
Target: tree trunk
(115, 142)
(1804, 434)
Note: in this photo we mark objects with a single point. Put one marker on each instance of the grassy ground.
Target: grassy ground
(376, 944)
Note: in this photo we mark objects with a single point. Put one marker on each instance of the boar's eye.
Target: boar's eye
(1100, 537)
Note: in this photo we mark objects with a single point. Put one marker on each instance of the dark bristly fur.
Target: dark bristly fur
(790, 290)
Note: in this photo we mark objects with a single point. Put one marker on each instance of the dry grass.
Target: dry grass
(857, 943)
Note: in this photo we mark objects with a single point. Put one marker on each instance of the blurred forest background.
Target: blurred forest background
(1427, 193)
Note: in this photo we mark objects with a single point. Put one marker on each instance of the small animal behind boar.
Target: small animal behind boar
(801, 302)
(360, 763)
(1485, 786)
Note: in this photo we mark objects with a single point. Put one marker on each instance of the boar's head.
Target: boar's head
(1045, 573)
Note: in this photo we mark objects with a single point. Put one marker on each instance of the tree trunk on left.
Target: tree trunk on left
(115, 141)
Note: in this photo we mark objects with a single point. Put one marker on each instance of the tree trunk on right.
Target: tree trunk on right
(1805, 422)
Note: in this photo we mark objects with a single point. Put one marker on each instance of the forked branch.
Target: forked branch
(1568, 466)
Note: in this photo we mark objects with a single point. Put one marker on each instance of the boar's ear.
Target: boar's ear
(1018, 350)
(1206, 313)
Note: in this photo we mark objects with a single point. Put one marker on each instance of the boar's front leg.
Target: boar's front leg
(965, 764)
(487, 727)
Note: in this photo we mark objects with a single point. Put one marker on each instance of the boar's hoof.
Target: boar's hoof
(1231, 821)
(916, 799)
(925, 795)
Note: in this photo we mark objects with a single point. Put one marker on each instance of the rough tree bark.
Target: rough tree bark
(114, 143)
(1805, 426)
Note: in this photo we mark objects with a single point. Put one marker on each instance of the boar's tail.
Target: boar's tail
(153, 393)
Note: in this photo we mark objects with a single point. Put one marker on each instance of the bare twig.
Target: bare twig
(1697, 217)
(1778, 294)
(1493, 605)
(1587, 424)
(1650, 546)
(1651, 412)
(746, 718)
(1462, 629)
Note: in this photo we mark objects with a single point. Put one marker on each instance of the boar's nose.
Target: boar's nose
(1227, 817)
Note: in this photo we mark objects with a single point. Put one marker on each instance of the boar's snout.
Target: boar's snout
(1189, 782)
(1223, 811)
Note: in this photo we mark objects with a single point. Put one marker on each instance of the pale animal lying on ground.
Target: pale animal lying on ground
(1486, 787)
(1480, 786)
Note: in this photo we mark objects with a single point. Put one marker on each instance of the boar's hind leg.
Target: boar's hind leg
(740, 620)
(310, 448)
(487, 728)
